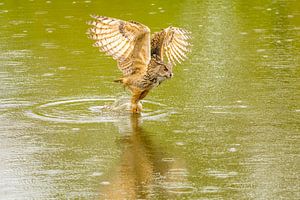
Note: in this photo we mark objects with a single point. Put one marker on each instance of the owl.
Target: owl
(145, 61)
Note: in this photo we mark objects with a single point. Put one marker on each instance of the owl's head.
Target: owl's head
(160, 69)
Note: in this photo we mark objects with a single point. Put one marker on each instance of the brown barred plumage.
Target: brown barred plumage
(140, 59)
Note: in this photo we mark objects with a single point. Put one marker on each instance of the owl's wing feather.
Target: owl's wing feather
(128, 42)
(172, 43)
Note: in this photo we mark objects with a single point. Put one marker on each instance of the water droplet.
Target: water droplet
(19, 35)
(232, 149)
(260, 50)
(180, 143)
(168, 159)
(210, 189)
(97, 174)
(48, 74)
(105, 183)
(178, 131)
(259, 30)
(49, 45)
(62, 68)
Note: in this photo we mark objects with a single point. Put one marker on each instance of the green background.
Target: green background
(226, 126)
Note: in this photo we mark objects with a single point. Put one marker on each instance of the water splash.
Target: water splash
(95, 110)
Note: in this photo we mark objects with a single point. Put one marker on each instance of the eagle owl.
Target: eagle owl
(140, 58)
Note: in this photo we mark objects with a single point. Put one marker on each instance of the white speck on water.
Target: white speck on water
(159, 8)
(298, 110)
(232, 174)
(152, 13)
(97, 174)
(47, 74)
(41, 12)
(50, 30)
(168, 159)
(290, 16)
(257, 30)
(210, 189)
(289, 40)
(178, 131)
(19, 35)
(162, 11)
(48, 2)
(49, 45)
(243, 33)
(105, 183)
(180, 143)
(64, 26)
(3, 11)
(69, 17)
(269, 9)
(232, 149)
(62, 68)
(87, 1)
(75, 129)
(260, 50)
(77, 52)
(221, 174)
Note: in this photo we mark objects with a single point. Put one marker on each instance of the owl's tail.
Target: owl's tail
(120, 80)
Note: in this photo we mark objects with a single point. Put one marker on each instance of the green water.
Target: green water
(225, 127)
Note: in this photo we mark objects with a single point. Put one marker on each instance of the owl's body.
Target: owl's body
(140, 59)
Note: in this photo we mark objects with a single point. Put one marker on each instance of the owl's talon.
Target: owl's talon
(136, 109)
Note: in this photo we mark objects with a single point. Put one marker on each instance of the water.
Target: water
(225, 127)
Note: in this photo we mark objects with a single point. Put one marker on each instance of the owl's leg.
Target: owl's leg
(134, 102)
(136, 97)
(144, 94)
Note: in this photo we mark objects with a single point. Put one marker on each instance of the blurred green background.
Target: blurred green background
(225, 127)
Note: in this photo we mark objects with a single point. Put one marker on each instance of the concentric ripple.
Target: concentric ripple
(95, 110)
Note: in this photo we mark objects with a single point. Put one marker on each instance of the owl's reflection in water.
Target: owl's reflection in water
(145, 171)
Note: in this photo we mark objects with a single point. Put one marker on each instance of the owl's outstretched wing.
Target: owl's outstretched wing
(127, 42)
(171, 42)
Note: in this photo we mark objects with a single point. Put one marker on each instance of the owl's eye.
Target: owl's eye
(166, 69)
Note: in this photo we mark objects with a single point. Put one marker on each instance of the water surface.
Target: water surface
(225, 127)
